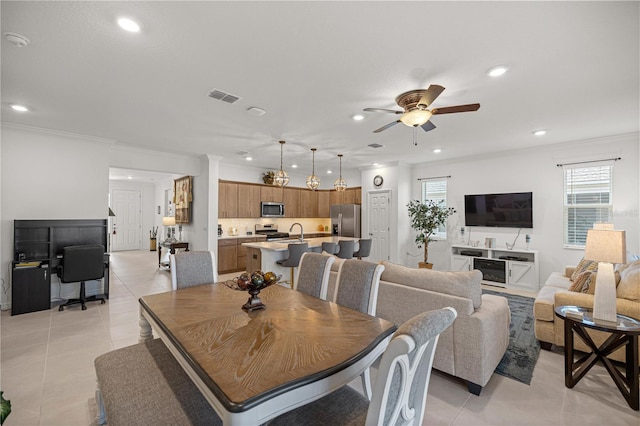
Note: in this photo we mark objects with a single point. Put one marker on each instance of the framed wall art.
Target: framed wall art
(183, 193)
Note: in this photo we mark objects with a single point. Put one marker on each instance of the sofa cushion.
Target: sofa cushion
(629, 287)
(584, 265)
(461, 284)
(543, 305)
(581, 283)
(558, 280)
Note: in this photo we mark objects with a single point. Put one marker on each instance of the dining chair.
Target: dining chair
(295, 253)
(79, 264)
(364, 248)
(346, 249)
(313, 274)
(190, 268)
(357, 288)
(400, 392)
(331, 248)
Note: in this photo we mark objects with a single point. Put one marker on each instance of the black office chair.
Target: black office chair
(293, 261)
(80, 264)
(364, 249)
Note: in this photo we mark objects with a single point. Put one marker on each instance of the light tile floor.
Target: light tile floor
(47, 367)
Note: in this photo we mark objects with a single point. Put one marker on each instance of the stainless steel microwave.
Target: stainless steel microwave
(268, 209)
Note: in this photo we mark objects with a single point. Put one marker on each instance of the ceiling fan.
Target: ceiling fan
(415, 105)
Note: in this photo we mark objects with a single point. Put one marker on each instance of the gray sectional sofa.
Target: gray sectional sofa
(472, 348)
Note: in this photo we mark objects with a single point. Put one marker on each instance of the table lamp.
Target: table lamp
(169, 221)
(605, 246)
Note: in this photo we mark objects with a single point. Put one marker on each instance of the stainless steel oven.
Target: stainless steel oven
(270, 209)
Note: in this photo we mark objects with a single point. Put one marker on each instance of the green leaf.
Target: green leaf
(5, 408)
(426, 218)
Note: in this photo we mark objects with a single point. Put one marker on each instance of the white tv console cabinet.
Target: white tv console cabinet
(517, 269)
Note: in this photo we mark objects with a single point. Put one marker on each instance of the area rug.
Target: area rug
(522, 354)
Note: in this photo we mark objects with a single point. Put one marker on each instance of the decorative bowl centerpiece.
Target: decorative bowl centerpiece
(254, 283)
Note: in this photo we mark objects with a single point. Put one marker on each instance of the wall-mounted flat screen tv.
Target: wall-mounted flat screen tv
(511, 210)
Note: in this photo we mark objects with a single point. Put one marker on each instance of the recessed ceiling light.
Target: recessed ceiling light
(329, 172)
(248, 158)
(540, 132)
(20, 108)
(375, 164)
(17, 39)
(256, 111)
(128, 24)
(358, 117)
(497, 71)
(437, 151)
(294, 166)
(129, 177)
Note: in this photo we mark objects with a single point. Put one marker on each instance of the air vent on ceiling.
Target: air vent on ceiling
(375, 145)
(223, 96)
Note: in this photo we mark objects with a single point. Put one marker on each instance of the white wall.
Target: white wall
(49, 175)
(535, 170)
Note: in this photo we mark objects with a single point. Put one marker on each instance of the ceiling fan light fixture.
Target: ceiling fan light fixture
(340, 184)
(281, 178)
(313, 182)
(416, 117)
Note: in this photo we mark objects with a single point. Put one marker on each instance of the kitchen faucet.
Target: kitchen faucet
(301, 231)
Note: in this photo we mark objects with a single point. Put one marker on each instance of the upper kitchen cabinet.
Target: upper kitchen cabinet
(249, 201)
(292, 202)
(323, 204)
(309, 203)
(352, 196)
(271, 193)
(227, 199)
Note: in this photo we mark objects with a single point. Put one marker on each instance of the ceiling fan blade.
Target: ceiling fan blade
(393, 123)
(457, 108)
(428, 126)
(393, 111)
(432, 93)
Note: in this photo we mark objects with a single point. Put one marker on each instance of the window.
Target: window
(587, 200)
(436, 190)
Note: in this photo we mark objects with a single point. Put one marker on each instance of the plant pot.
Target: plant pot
(425, 265)
(153, 244)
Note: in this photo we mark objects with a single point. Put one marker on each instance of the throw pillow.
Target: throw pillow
(581, 281)
(591, 289)
(629, 287)
(583, 265)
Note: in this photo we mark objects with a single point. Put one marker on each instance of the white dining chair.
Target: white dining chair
(400, 393)
(189, 268)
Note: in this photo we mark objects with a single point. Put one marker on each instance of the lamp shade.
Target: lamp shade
(605, 245)
(168, 221)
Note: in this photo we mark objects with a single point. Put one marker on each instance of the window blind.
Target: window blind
(436, 190)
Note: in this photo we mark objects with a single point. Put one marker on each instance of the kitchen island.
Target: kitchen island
(264, 255)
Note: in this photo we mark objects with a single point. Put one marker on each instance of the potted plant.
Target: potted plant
(426, 218)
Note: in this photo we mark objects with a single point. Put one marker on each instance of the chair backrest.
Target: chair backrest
(189, 268)
(331, 248)
(82, 263)
(357, 286)
(400, 391)
(346, 249)
(313, 274)
(295, 253)
(364, 250)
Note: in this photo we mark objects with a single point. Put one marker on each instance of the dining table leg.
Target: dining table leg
(145, 329)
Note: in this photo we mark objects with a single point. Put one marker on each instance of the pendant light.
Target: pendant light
(281, 177)
(312, 180)
(340, 184)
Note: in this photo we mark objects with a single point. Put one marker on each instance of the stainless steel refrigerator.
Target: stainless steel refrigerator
(345, 220)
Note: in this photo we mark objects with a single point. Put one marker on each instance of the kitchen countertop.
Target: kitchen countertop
(283, 245)
(231, 237)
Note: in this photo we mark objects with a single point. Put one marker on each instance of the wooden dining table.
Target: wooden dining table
(254, 366)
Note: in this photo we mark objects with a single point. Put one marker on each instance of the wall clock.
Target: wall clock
(377, 181)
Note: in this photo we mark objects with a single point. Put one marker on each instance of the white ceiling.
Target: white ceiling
(574, 70)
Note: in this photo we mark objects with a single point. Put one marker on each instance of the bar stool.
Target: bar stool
(346, 249)
(295, 253)
(364, 250)
(331, 248)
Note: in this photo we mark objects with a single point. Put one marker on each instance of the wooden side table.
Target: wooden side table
(172, 249)
(624, 332)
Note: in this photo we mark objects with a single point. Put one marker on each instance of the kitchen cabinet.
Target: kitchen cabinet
(271, 193)
(227, 199)
(31, 289)
(291, 198)
(308, 203)
(323, 204)
(353, 195)
(248, 201)
(232, 255)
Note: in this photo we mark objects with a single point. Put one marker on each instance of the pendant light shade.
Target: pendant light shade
(281, 177)
(340, 184)
(312, 180)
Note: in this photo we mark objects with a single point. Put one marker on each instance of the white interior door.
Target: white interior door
(379, 218)
(127, 223)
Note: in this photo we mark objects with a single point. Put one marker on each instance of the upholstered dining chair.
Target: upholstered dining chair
(313, 274)
(295, 253)
(80, 264)
(400, 393)
(346, 249)
(331, 248)
(364, 248)
(190, 268)
(357, 288)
